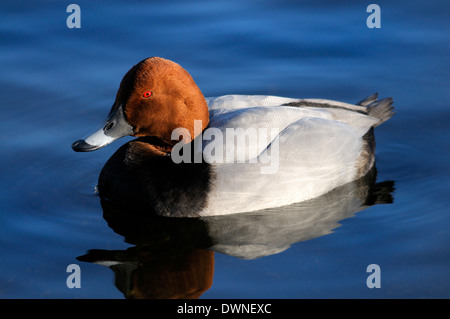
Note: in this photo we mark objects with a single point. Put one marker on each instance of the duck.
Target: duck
(197, 156)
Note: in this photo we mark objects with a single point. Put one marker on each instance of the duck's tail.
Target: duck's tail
(381, 109)
(370, 99)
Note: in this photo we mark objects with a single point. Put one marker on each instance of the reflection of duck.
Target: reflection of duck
(319, 145)
(144, 273)
(173, 257)
(271, 231)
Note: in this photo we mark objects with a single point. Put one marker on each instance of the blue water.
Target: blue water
(57, 84)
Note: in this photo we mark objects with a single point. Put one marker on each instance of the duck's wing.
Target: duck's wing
(246, 132)
(308, 158)
(379, 111)
(363, 115)
(237, 101)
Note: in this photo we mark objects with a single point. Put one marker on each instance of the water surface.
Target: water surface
(57, 84)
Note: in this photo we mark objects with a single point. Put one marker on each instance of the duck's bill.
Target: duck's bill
(115, 127)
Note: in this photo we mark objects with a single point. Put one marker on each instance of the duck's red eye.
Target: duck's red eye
(147, 94)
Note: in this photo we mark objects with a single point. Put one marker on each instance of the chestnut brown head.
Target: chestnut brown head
(155, 97)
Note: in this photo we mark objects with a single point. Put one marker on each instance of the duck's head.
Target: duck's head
(155, 97)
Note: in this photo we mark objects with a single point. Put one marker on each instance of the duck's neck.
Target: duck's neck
(164, 147)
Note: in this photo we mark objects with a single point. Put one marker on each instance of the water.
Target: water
(57, 84)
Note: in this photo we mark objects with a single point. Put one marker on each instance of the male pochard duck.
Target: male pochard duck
(187, 160)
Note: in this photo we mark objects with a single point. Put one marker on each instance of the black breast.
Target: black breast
(146, 184)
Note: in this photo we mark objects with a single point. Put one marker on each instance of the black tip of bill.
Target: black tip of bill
(82, 146)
